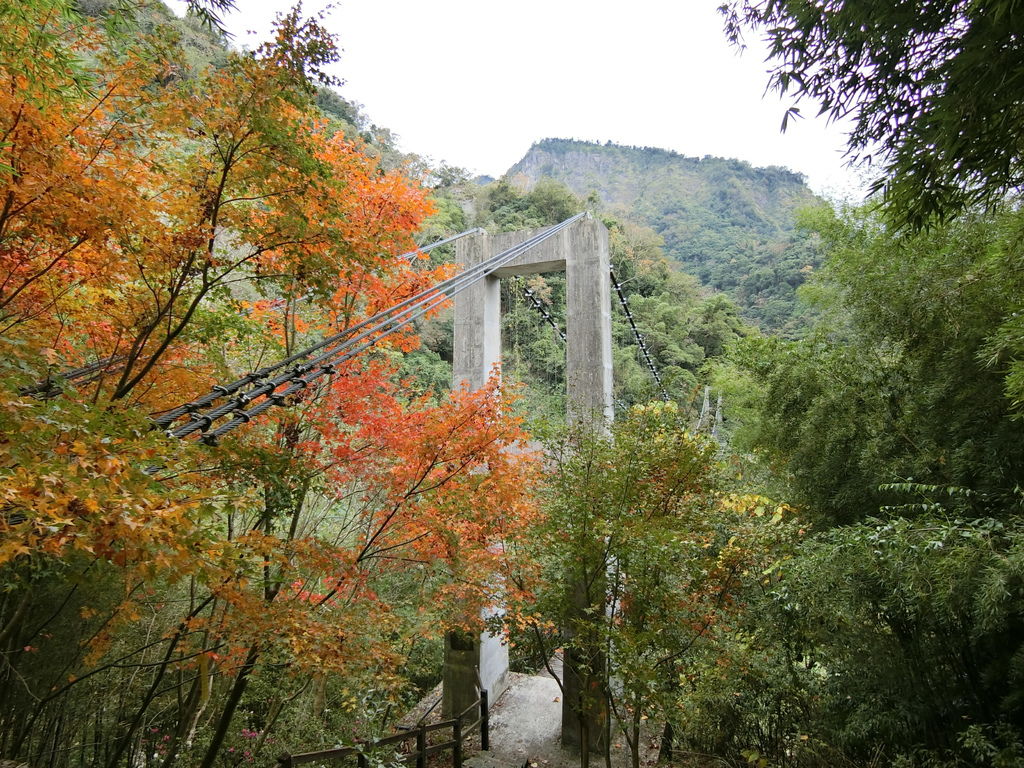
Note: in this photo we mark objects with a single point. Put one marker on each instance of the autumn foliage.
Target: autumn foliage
(185, 229)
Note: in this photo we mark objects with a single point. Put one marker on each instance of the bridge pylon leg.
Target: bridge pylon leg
(582, 252)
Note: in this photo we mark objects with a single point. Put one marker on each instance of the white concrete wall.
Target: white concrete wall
(493, 661)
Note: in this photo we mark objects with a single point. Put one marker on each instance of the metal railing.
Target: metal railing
(418, 734)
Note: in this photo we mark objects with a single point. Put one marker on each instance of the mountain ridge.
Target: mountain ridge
(731, 224)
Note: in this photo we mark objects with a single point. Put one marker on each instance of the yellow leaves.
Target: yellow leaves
(758, 506)
(130, 522)
(112, 518)
(10, 550)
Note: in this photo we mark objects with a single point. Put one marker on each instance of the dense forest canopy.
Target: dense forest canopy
(895, 632)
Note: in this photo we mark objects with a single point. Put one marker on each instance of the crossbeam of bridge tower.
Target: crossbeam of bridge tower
(582, 252)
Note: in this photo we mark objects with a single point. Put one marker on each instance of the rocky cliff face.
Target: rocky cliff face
(646, 180)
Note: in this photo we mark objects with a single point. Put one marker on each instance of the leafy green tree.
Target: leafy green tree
(645, 561)
(906, 375)
(888, 642)
(935, 91)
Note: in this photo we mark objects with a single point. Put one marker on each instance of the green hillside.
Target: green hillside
(728, 223)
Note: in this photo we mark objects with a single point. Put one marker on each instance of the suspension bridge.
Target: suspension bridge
(579, 246)
(575, 246)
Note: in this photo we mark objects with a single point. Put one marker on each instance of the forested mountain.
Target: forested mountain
(726, 222)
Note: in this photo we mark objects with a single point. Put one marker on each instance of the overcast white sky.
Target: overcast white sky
(476, 82)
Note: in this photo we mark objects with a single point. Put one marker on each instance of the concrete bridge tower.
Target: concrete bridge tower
(582, 252)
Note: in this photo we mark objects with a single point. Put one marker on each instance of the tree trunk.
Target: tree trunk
(226, 715)
(667, 744)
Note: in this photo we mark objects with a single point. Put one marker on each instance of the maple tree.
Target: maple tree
(182, 230)
(66, 166)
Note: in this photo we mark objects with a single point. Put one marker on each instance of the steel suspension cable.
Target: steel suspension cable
(49, 388)
(387, 322)
(639, 336)
(218, 391)
(539, 306)
(297, 377)
(437, 244)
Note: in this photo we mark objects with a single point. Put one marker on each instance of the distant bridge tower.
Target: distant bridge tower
(582, 252)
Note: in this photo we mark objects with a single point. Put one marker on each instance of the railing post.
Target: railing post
(285, 760)
(485, 723)
(421, 747)
(361, 761)
(457, 738)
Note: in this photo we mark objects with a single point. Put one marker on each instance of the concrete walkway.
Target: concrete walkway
(526, 723)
